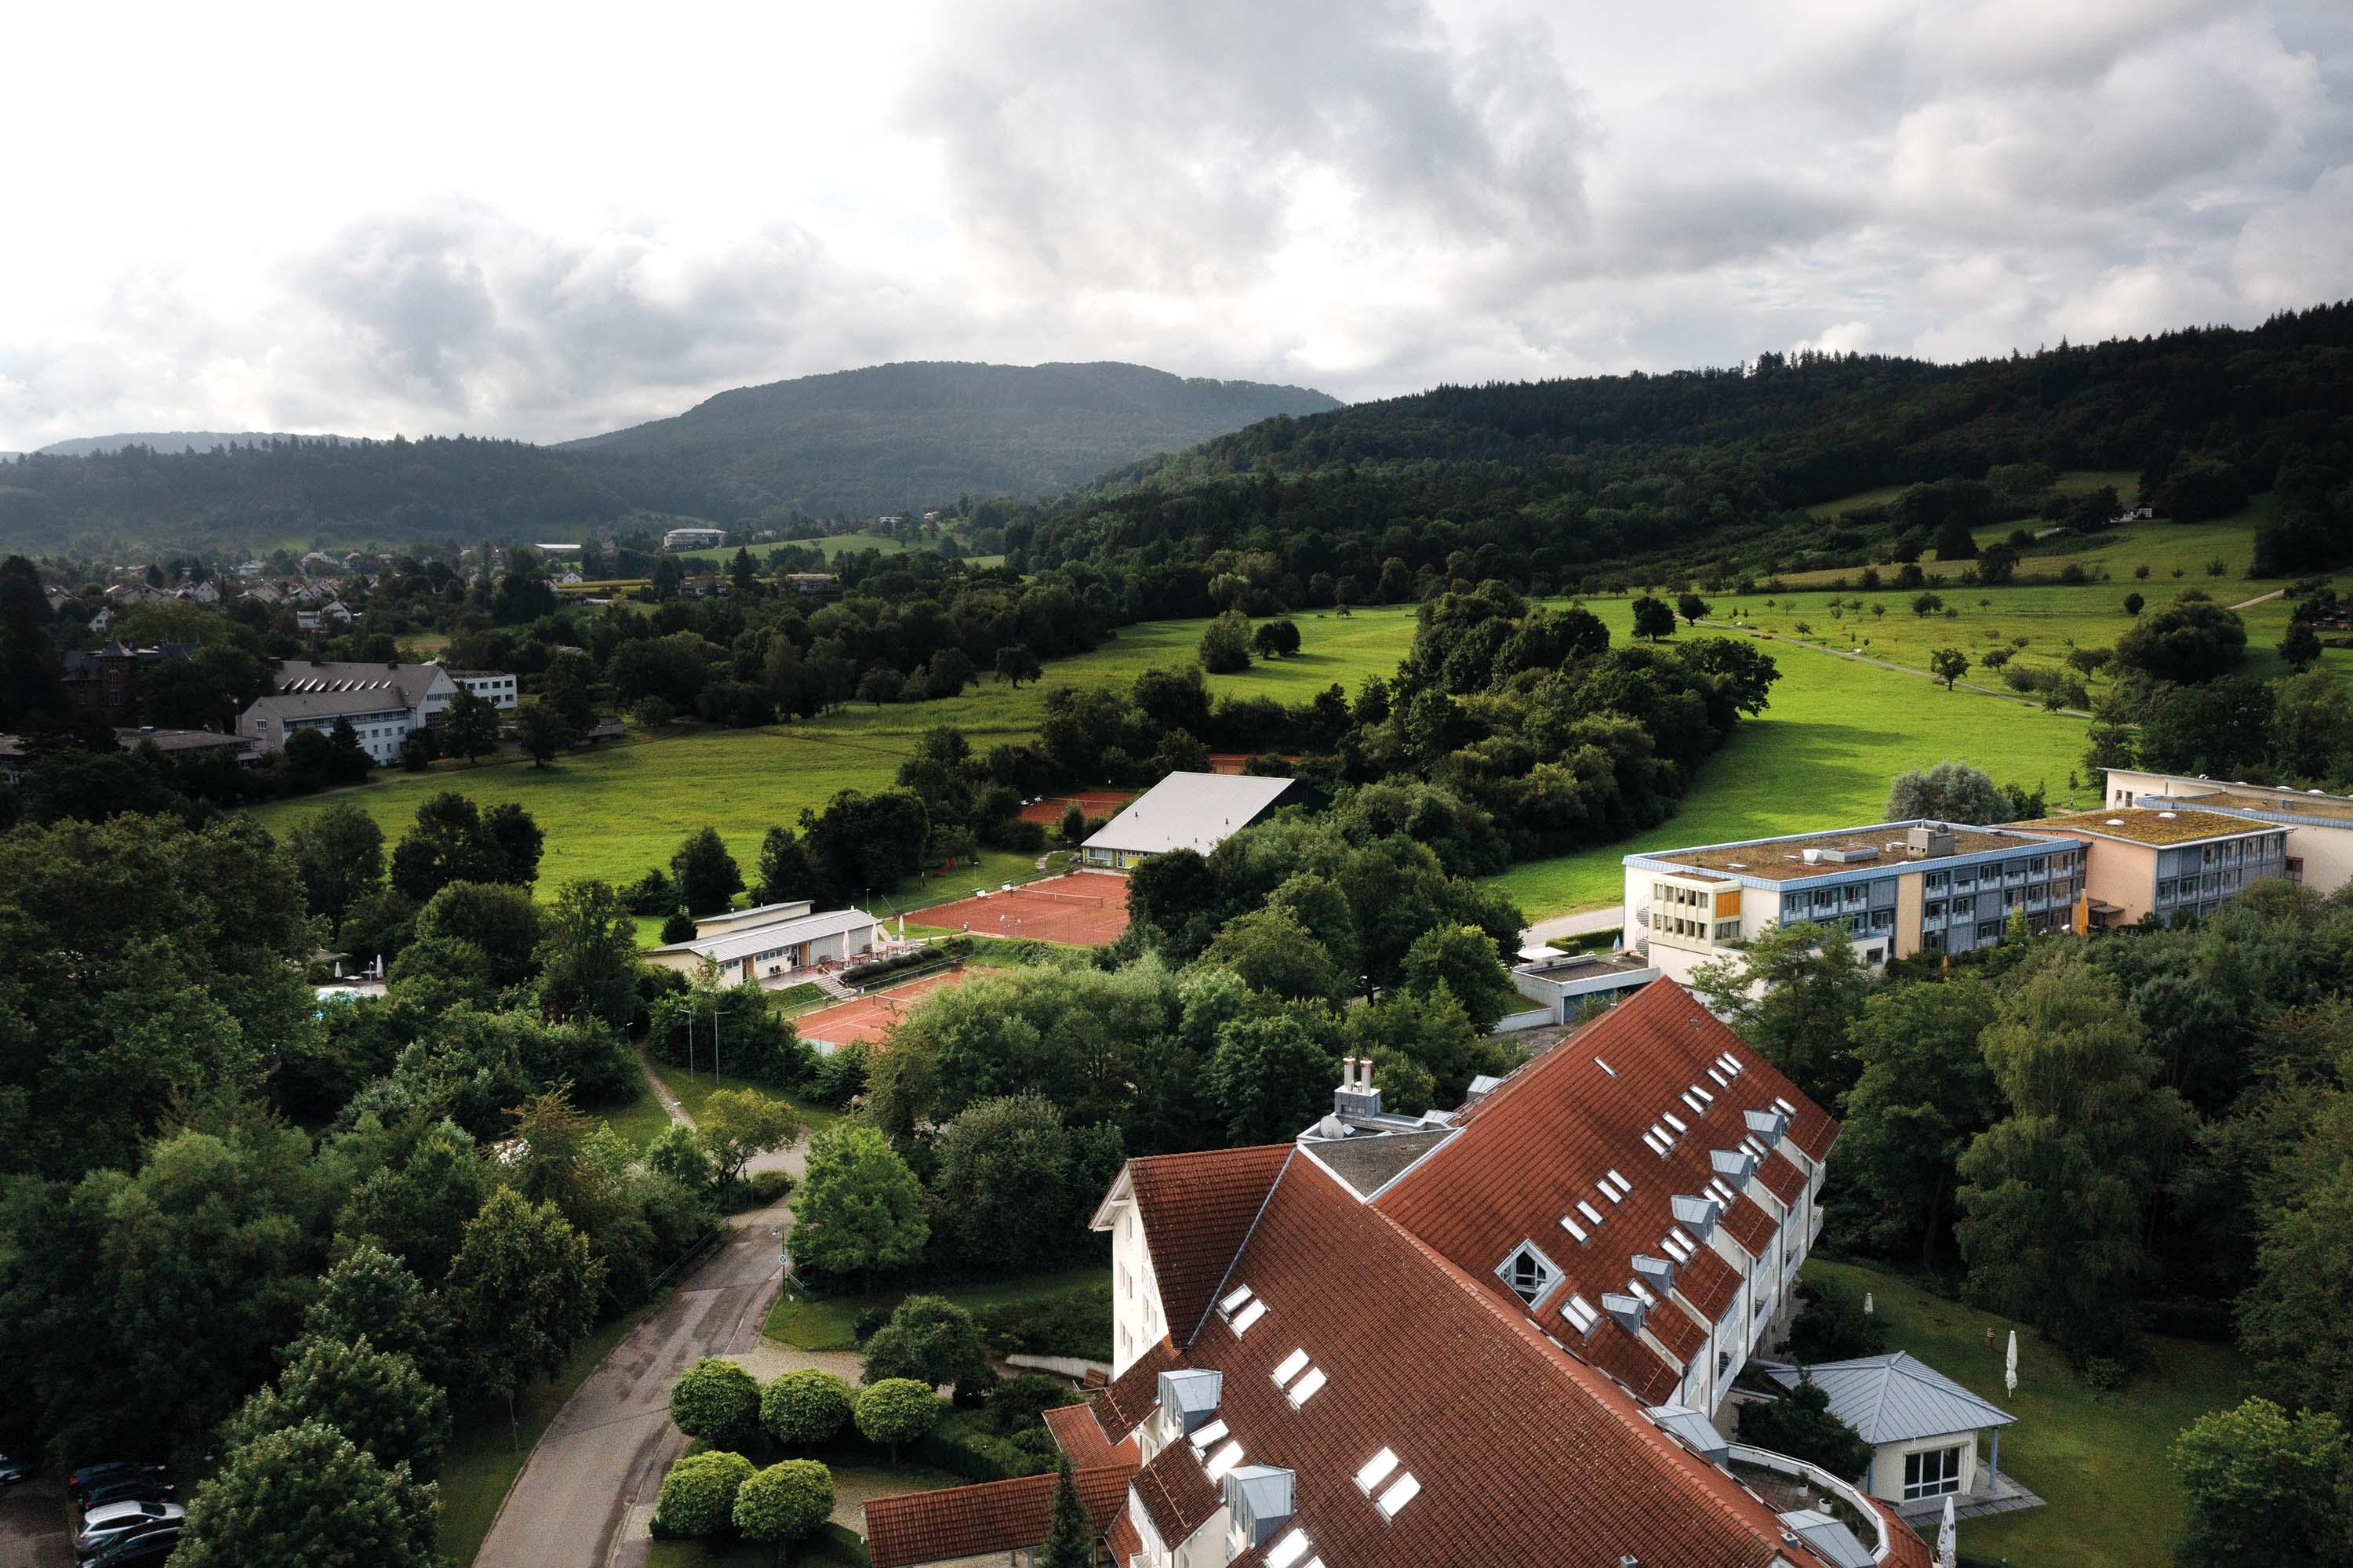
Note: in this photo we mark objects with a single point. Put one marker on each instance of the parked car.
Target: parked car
(137, 1548)
(127, 1489)
(82, 1480)
(16, 1465)
(100, 1526)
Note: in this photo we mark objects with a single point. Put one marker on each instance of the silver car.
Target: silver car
(103, 1523)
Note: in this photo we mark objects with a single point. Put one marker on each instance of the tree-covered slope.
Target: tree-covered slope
(169, 441)
(891, 436)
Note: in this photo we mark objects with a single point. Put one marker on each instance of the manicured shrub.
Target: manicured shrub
(805, 1409)
(697, 1496)
(715, 1399)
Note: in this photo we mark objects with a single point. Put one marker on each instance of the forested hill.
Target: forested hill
(891, 436)
(170, 441)
(1708, 472)
(887, 439)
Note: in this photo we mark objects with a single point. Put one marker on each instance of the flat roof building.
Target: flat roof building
(1196, 812)
(2320, 835)
(2153, 860)
(746, 954)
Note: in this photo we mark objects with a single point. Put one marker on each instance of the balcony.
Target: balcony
(1813, 1229)
(1788, 1484)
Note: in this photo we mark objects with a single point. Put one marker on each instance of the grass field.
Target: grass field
(827, 1322)
(2074, 481)
(2098, 1459)
(1837, 733)
(483, 1457)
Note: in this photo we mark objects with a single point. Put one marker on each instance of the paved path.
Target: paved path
(2259, 598)
(1578, 923)
(587, 1488)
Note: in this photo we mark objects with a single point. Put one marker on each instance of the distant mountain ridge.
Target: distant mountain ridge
(170, 441)
(893, 435)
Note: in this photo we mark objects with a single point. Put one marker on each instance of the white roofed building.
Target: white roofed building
(776, 948)
(1196, 812)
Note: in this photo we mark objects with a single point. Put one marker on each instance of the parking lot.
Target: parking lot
(33, 1525)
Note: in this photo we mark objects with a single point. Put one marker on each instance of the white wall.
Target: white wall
(1138, 1321)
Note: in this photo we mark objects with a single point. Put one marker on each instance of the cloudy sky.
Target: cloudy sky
(546, 221)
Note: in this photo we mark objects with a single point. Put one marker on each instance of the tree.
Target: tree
(1225, 646)
(2301, 646)
(737, 1124)
(1016, 664)
(2292, 1317)
(785, 872)
(1461, 959)
(716, 1400)
(2261, 1486)
(2132, 601)
(896, 1410)
(1272, 951)
(545, 732)
(305, 1495)
(805, 1409)
(470, 725)
(785, 1503)
(1948, 665)
(588, 957)
(860, 1209)
(522, 1292)
(371, 1295)
(2311, 728)
(1954, 540)
(455, 841)
(376, 1398)
(1790, 994)
(1948, 791)
(676, 1152)
(1691, 608)
(1652, 618)
(1069, 1543)
(1001, 1183)
(677, 927)
(339, 854)
(698, 1495)
(1923, 1095)
(1799, 1424)
(420, 1210)
(1928, 604)
(1997, 565)
(948, 673)
(705, 873)
(1268, 1076)
(2055, 1198)
(515, 842)
(2190, 642)
(934, 1342)
(881, 685)
(499, 921)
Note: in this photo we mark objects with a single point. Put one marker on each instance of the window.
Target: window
(1932, 1473)
(1529, 1273)
(1401, 1491)
(1289, 1367)
(1376, 1470)
(1306, 1387)
(1248, 1316)
(1581, 1315)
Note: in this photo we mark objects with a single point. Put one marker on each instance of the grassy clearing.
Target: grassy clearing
(1837, 733)
(691, 1090)
(827, 1322)
(2098, 1459)
(638, 1122)
(484, 1458)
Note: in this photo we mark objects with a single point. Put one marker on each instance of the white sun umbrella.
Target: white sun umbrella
(2009, 1365)
(1948, 1541)
(1867, 1308)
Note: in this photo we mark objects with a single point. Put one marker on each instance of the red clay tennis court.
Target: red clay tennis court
(1093, 802)
(869, 1017)
(1086, 909)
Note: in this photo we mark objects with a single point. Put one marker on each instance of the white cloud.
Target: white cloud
(307, 220)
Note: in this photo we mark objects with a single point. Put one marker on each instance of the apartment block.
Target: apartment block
(2151, 860)
(2320, 825)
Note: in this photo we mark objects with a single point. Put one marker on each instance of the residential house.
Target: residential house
(1898, 888)
(1185, 811)
(110, 684)
(2151, 860)
(809, 582)
(1923, 1428)
(2320, 825)
(1490, 1337)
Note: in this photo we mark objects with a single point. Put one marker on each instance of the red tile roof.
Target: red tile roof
(1533, 1149)
(1708, 1283)
(1131, 1397)
(1781, 1178)
(1195, 1209)
(1812, 1129)
(1675, 1329)
(1176, 1493)
(997, 1516)
(1079, 1435)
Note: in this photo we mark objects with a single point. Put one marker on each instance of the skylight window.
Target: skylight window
(1233, 1301)
(1288, 1367)
(1673, 1248)
(1248, 1316)
(1581, 1315)
(1225, 1460)
(1624, 1186)
(1656, 1144)
(1207, 1437)
(1307, 1387)
(1634, 1287)
(1715, 1075)
(1786, 1108)
(1692, 1100)
(1677, 1232)
(1573, 1228)
(1376, 1470)
(1605, 1066)
(1287, 1550)
(1669, 1117)
(1401, 1491)
(1592, 1215)
(1705, 1098)
(1721, 1193)
(1730, 1064)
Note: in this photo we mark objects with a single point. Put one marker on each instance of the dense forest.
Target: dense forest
(888, 437)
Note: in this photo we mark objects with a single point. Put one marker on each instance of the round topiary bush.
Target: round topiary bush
(896, 1410)
(785, 1502)
(715, 1399)
(807, 1408)
(697, 1496)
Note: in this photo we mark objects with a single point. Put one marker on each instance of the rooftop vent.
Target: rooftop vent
(1931, 840)
(1190, 1397)
(1263, 1498)
(2116, 821)
(1357, 1096)
(2165, 816)
(1840, 854)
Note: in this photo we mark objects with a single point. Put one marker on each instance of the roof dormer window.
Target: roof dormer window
(1529, 1273)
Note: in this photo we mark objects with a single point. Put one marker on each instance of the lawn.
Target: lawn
(1837, 733)
(484, 1458)
(827, 1322)
(690, 1090)
(2098, 1459)
(638, 1121)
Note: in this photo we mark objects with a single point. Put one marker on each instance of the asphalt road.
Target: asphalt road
(612, 1440)
(33, 1523)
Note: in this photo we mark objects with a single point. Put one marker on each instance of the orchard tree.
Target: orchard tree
(1225, 647)
(1654, 618)
(1016, 664)
(1948, 791)
(2300, 649)
(705, 873)
(896, 1410)
(805, 1409)
(1948, 665)
(1691, 608)
(785, 1503)
(306, 1495)
(934, 1342)
(716, 1400)
(860, 1209)
(376, 1398)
